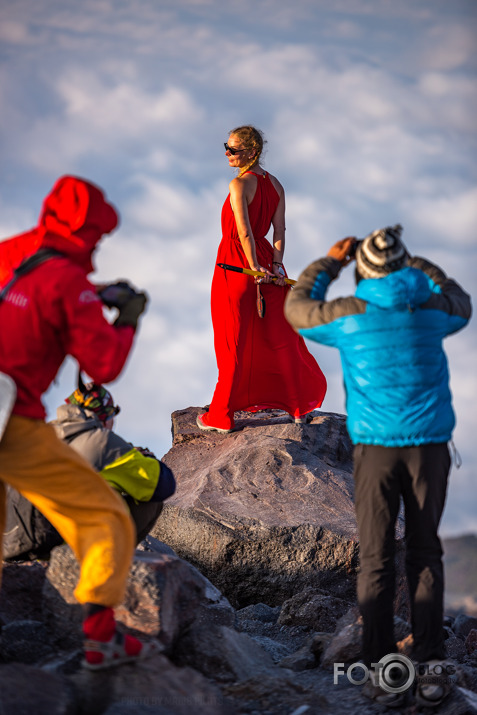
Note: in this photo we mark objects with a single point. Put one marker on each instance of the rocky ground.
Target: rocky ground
(250, 597)
(215, 660)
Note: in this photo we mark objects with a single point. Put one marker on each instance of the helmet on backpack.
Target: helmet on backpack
(95, 398)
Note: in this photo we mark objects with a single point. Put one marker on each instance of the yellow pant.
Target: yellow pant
(88, 514)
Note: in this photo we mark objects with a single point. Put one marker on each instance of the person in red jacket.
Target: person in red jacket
(49, 312)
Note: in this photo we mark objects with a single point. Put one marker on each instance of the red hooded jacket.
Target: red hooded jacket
(54, 311)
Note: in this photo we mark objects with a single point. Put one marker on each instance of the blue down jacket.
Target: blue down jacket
(390, 336)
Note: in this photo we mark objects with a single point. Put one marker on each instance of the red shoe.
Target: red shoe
(202, 424)
(105, 647)
(120, 649)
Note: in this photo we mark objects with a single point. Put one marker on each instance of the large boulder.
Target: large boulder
(267, 510)
(164, 595)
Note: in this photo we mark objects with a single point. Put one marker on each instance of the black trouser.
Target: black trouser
(382, 475)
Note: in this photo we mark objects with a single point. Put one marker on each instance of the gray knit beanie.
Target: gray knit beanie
(381, 253)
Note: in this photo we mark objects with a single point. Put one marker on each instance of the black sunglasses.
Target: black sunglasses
(232, 150)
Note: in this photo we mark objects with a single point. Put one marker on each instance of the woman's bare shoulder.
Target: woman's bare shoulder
(236, 182)
(245, 184)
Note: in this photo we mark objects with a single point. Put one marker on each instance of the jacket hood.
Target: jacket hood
(71, 420)
(74, 217)
(402, 289)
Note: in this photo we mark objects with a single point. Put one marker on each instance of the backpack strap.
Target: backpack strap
(27, 265)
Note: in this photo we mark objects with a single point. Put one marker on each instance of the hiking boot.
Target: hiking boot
(105, 647)
(99, 655)
(435, 680)
(382, 697)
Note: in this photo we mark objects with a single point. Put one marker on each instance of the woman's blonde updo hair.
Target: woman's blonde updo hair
(251, 138)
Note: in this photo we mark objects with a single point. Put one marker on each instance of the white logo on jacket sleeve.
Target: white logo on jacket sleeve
(17, 299)
(88, 296)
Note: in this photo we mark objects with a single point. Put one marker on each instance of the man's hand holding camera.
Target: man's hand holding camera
(344, 250)
(129, 302)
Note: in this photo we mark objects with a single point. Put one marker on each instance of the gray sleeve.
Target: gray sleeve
(451, 299)
(306, 307)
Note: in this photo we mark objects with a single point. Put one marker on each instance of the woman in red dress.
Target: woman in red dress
(262, 362)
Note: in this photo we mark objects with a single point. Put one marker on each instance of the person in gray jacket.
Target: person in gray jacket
(86, 424)
(400, 419)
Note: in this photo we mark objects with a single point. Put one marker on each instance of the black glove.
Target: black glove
(130, 312)
(117, 294)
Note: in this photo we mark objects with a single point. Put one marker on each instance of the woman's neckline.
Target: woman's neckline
(257, 174)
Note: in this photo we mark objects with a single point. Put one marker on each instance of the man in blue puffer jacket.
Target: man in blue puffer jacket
(400, 418)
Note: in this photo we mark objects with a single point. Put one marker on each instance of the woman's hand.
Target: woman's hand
(279, 273)
(267, 278)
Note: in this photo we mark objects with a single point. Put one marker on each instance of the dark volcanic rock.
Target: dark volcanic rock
(155, 687)
(20, 595)
(267, 514)
(25, 642)
(222, 653)
(317, 610)
(267, 510)
(471, 641)
(463, 624)
(24, 689)
(163, 597)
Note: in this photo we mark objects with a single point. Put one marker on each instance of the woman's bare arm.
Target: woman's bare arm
(278, 223)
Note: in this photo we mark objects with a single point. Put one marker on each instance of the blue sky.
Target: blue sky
(369, 110)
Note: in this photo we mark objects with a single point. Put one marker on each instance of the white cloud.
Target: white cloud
(102, 119)
(448, 46)
(124, 105)
(174, 210)
(448, 218)
(15, 32)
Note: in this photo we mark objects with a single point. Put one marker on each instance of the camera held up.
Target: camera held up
(116, 295)
(354, 248)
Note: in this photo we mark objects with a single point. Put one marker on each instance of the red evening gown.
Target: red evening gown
(262, 362)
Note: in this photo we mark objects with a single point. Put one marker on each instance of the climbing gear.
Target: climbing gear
(94, 397)
(249, 272)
